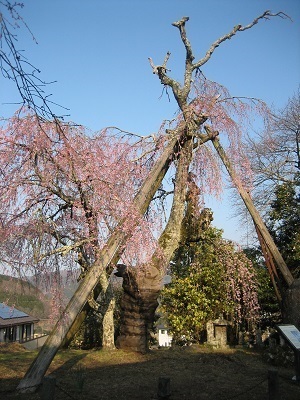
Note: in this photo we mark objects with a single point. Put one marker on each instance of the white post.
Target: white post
(18, 327)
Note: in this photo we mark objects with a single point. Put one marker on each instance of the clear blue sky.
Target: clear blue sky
(98, 51)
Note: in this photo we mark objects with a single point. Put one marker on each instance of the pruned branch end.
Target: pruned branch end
(181, 22)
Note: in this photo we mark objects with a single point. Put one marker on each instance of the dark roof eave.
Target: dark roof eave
(17, 321)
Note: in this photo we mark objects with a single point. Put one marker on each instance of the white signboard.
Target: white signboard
(291, 333)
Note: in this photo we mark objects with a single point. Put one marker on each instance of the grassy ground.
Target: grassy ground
(194, 372)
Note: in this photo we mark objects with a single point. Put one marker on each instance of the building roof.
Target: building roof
(11, 316)
(162, 326)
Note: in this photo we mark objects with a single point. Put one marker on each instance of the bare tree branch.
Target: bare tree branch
(181, 92)
(14, 66)
(238, 28)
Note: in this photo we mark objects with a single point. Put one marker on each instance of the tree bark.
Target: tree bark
(108, 326)
(253, 211)
(170, 238)
(138, 305)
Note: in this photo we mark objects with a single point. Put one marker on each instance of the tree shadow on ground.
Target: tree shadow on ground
(195, 373)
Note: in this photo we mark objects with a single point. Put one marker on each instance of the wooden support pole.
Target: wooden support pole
(252, 209)
(270, 265)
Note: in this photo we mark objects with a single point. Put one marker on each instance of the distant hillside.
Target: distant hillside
(24, 296)
(68, 282)
(33, 295)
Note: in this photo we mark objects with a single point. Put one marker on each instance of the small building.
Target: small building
(164, 338)
(15, 325)
(217, 332)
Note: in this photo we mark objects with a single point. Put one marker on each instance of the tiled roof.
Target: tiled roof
(12, 316)
(10, 312)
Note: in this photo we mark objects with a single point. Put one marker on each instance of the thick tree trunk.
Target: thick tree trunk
(35, 373)
(142, 287)
(170, 237)
(253, 212)
(138, 305)
(108, 326)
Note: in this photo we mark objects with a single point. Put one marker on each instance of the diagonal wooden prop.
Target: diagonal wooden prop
(273, 250)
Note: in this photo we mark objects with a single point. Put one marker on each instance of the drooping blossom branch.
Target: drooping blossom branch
(61, 196)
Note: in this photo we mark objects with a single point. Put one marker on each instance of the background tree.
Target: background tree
(269, 306)
(284, 223)
(274, 153)
(210, 277)
(275, 161)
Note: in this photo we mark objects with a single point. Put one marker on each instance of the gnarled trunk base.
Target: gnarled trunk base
(138, 306)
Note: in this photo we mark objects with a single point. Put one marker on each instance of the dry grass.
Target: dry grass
(195, 373)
